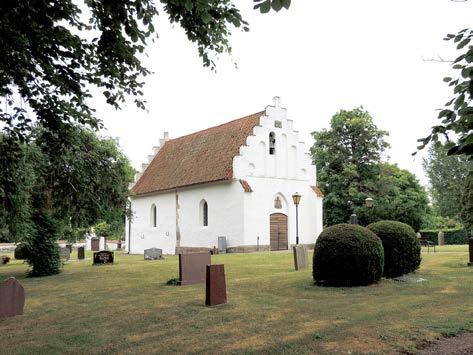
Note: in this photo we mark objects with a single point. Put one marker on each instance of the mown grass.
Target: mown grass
(127, 308)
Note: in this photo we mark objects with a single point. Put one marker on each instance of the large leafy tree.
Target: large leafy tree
(347, 157)
(448, 177)
(457, 115)
(350, 169)
(86, 183)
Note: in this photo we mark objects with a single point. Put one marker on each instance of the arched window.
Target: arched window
(154, 216)
(204, 213)
(272, 143)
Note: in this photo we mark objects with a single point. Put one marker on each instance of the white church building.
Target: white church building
(235, 180)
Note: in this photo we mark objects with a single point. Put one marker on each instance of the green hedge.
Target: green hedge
(452, 236)
(401, 248)
(347, 255)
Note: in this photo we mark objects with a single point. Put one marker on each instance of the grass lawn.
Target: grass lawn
(127, 308)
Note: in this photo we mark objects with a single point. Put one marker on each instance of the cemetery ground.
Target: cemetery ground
(128, 308)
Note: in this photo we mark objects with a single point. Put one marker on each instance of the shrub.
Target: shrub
(401, 247)
(21, 252)
(452, 236)
(347, 255)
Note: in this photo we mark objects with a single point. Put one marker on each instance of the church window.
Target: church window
(272, 143)
(154, 215)
(204, 215)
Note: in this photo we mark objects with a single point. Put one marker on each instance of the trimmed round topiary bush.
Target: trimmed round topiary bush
(347, 255)
(401, 247)
(21, 252)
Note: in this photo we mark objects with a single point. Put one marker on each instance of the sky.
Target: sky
(319, 57)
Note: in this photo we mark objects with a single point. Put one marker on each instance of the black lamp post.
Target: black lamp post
(297, 198)
(368, 203)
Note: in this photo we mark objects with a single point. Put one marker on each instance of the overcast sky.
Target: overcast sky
(319, 57)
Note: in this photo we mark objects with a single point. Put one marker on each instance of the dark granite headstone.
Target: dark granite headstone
(12, 298)
(95, 244)
(300, 257)
(4, 260)
(192, 267)
(64, 253)
(81, 253)
(69, 246)
(215, 287)
(153, 254)
(103, 257)
(471, 252)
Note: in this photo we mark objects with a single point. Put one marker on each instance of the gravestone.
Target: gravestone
(69, 246)
(222, 245)
(471, 252)
(64, 253)
(95, 244)
(81, 253)
(4, 260)
(153, 254)
(12, 298)
(300, 257)
(441, 238)
(215, 287)
(192, 267)
(103, 257)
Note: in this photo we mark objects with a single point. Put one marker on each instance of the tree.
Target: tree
(467, 210)
(86, 183)
(397, 196)
(347, 157)
(448, 176)
(349, 169)
(457, 115)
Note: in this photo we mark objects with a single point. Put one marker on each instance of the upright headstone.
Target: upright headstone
(215, 287)
(103, 257)
(64, 253)
(102, 243)
(69, 246)
(12, 298)
(222, 245)
(471, 252)
(95, 244)
(153, 254)
(441, 238)
(81, 253)
(300, 257)
(4, 259)
(192, 267)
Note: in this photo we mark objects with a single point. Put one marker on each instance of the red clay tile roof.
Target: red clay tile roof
(317, 191)
(246, 186)
(197, 158)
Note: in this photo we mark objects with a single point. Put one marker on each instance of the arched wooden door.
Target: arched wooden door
(278, 231)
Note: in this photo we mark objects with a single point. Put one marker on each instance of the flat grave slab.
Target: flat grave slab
(192, 267)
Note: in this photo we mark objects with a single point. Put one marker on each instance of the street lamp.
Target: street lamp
(297, 198)
(369, 202)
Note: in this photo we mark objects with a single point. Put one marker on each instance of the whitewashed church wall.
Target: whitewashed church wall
(143, 234)
(225, 214)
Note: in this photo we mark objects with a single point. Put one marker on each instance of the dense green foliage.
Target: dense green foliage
(349, 169)
(453, 236)
(401, 247)
(457, 115)
(448, 178)
(347, 255)
(21, 251)
(467, 202)
(85, 184)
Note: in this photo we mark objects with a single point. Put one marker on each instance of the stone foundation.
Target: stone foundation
(236, 249)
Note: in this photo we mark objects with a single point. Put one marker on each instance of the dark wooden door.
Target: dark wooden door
(278, 231)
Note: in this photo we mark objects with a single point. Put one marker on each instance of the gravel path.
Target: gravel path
(459, 345)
